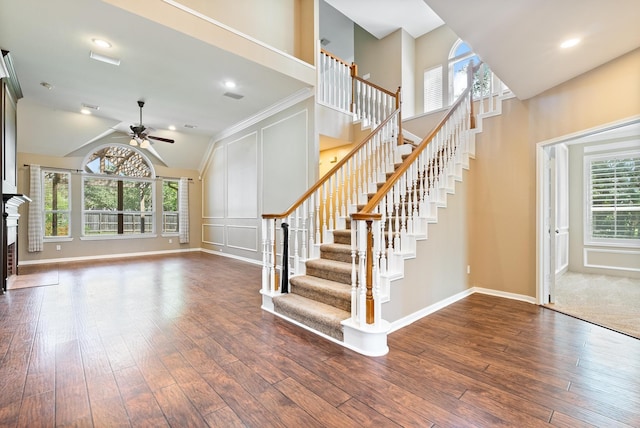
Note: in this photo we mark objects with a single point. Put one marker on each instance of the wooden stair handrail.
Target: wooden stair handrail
(331, 172)
(332, 56)
(367, 211)
(373, 85)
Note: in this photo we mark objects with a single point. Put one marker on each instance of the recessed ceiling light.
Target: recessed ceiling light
(102, 43)
(229, 84)
(172, 128)
(85, 111)
(569, 43)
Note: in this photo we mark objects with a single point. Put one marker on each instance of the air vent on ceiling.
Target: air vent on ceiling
(186, 125)
(104, 58)
(232, 95)
(89, 106)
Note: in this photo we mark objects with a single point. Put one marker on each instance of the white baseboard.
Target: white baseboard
(103, 257)
(409, 319)
(231, 256)
(505, 294)
(140, 254)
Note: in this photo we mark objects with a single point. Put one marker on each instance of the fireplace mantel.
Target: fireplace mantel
(10, 216)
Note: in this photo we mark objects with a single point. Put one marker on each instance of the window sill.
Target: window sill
(170, 235)
(58, 239)
(116, 237)
(612, 244)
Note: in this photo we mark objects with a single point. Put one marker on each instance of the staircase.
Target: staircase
(321, 298)
(351, 232)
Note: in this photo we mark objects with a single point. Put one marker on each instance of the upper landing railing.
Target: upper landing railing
(328, 203)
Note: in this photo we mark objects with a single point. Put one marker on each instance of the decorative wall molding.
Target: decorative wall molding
(221, 226)
(240, 247)
(594, 251)
(284, 104)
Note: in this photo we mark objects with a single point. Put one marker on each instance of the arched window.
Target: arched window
(459, 58)
(118, 192)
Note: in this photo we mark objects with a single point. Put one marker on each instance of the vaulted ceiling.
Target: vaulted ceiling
(180, 77)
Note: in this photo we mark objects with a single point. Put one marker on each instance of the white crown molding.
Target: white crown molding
(290, 101)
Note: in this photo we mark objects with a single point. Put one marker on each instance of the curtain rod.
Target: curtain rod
(56, 167)
(172, 178)
(79, 170)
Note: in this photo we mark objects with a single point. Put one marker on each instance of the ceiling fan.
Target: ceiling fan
(140, 134)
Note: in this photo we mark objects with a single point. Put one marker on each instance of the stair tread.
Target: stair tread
(336, 248)
(342, 232)
(329, 264)
(321, 283)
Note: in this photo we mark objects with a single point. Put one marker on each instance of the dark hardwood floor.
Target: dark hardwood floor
(181, 341)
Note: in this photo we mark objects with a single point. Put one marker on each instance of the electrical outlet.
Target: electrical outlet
(170, 241)
(58, 247)
(468, 269)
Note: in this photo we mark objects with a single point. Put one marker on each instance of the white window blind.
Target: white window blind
(433, 89)
(614, 197)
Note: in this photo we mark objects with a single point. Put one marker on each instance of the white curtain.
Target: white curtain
(36, 220)
(183, 210)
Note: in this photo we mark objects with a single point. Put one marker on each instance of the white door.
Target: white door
(561, 208)
(549, 258)
(556, 217)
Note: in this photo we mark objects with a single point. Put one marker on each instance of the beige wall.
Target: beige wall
(503, 240)
(381, 59)
(289, 26)
(79, 248)
(283, 24)
(440, 269)
(432, 49)
(329, 157)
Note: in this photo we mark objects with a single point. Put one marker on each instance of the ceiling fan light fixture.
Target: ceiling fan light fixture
(145, 144)
(133, 142)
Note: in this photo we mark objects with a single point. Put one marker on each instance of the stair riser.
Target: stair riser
(326, 298)
(334, 331)
(339, 257)
(337, 276)
(342, 238)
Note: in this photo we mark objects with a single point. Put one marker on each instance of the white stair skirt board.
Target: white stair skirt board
(366, 340)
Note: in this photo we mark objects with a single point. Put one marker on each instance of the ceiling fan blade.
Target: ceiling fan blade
(165, 140)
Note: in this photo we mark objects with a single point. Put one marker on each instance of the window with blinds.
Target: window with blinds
(433, 89)
(614, 198)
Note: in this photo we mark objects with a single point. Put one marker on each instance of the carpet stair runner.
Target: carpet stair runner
(321, 299)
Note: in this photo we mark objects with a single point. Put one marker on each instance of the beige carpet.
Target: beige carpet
(609, 301)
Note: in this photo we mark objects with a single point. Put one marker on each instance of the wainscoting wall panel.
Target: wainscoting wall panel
(242, 237)
(284, 149)
(618, 259)
(242, 179)
(213, 234)
(214, 186)
(256, 169)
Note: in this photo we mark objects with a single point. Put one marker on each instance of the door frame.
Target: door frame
(541, 250)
